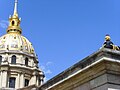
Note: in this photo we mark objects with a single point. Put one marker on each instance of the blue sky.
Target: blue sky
(64, 32)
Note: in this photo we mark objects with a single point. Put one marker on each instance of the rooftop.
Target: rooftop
(82, 65)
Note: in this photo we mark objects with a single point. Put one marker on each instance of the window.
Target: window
(0, 59)
(13, 23)
(26, 82)
(12, 82)
(13, 60)
(14, 37)
(26, 61)
(4, 37)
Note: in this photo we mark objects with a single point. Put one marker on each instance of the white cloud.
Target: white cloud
(46, 67)
(4, 24)
(49, 63)
(42, 67)
(48, 72)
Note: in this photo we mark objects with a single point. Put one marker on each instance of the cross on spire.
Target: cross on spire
(15, 8)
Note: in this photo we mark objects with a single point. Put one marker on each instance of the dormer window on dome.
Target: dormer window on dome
(0, 59)
(26, 61)
(13, 59)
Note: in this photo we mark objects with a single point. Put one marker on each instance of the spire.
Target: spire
(14, 21)
(15, 8)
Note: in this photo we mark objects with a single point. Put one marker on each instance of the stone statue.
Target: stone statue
(108, 44)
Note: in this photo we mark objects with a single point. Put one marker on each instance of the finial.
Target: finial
(15, 8)
(14, 21)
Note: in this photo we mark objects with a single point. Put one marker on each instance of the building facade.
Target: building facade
(18, 61)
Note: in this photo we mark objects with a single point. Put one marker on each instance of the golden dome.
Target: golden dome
(13, 40)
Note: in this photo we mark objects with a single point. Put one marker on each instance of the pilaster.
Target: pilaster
(1, 79)
(22, 80)
(18, 81)
(4, 79)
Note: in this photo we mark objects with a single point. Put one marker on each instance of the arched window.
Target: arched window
(26, 82)
(26, 61)
(12, 82)
(13, 23)
(13, 60)
(0, 59)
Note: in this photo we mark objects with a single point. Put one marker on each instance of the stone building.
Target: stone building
(18, 61)
(99, 71)
(19, 65)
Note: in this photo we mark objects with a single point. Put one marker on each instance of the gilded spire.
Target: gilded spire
(15, 8)
(14, 21)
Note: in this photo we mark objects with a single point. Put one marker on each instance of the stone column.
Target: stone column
(18, 81)
(4, 79)
(37, 80)
(33, 80)
(1, 79)
(41, 80)
(22, 80)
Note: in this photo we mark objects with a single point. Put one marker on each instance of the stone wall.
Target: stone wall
(103, 73)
